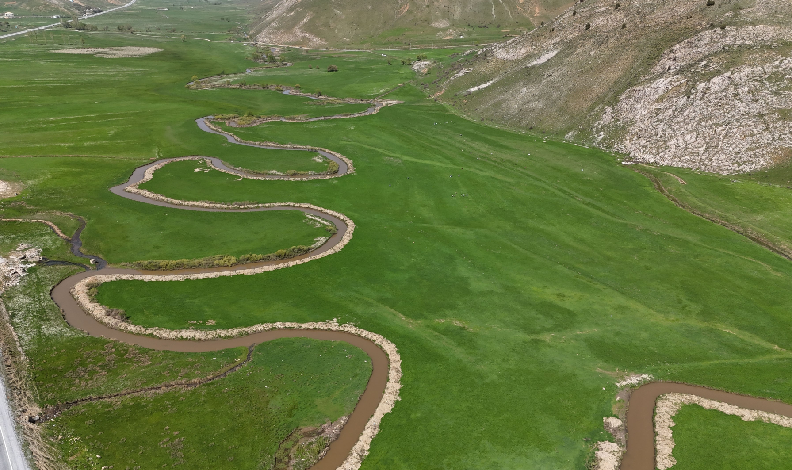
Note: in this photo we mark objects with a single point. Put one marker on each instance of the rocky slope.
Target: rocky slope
(703, 84)
(319, 23)
(63, 8)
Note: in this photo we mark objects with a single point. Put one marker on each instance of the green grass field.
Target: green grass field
(758, 203)
(278, 160)
(66, 365)
(710, 439)
(233, 423)
(515, 276)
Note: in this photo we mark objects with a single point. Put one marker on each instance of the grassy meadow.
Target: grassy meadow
(758, 203)
(233, 423)
(519, 278)
(277, 160)
(65, 364)
(710, 439)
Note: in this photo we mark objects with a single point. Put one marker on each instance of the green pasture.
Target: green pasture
(708, 439)
(746, 201)
(518, 278)
(233, 423)
(278, 160)
(14, 234)
(361, 74)
(64, 363)
(312, 108)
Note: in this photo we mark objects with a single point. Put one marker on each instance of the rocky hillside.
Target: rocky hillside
(64, 8)
(702, 84)
(319, 23)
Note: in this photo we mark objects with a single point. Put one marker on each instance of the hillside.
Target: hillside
(319, 23)
(698, 84)
(64, 8)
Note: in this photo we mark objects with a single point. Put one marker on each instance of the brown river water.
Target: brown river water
(640, 453)
(78, 318)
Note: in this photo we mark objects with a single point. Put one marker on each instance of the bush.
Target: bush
(332, 68)
(224, 261)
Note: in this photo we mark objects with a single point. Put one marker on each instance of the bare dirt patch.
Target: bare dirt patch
(112, 52)
(8, 189)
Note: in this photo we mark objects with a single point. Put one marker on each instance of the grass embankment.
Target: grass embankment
(515, 276)
(234, 423)
(321, 108)
(757, 205)
(708, 439)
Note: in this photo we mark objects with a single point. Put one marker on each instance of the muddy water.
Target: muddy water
(369, 400)
(342, 165)
(339, 449)
(640, 453)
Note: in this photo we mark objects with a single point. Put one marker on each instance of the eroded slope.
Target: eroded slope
(674, 82)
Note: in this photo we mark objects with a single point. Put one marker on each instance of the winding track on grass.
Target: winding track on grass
(80, 311)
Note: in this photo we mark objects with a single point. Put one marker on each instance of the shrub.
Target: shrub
(117, 313)
(332, 68)
(710, 3)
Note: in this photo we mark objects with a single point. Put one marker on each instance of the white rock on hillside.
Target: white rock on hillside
(14, 266)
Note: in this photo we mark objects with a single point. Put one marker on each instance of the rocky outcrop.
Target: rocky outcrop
(14, 266)
(696, 110)
(701, 85)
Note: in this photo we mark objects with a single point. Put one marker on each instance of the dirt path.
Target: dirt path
(80, 311)
(640, 453)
